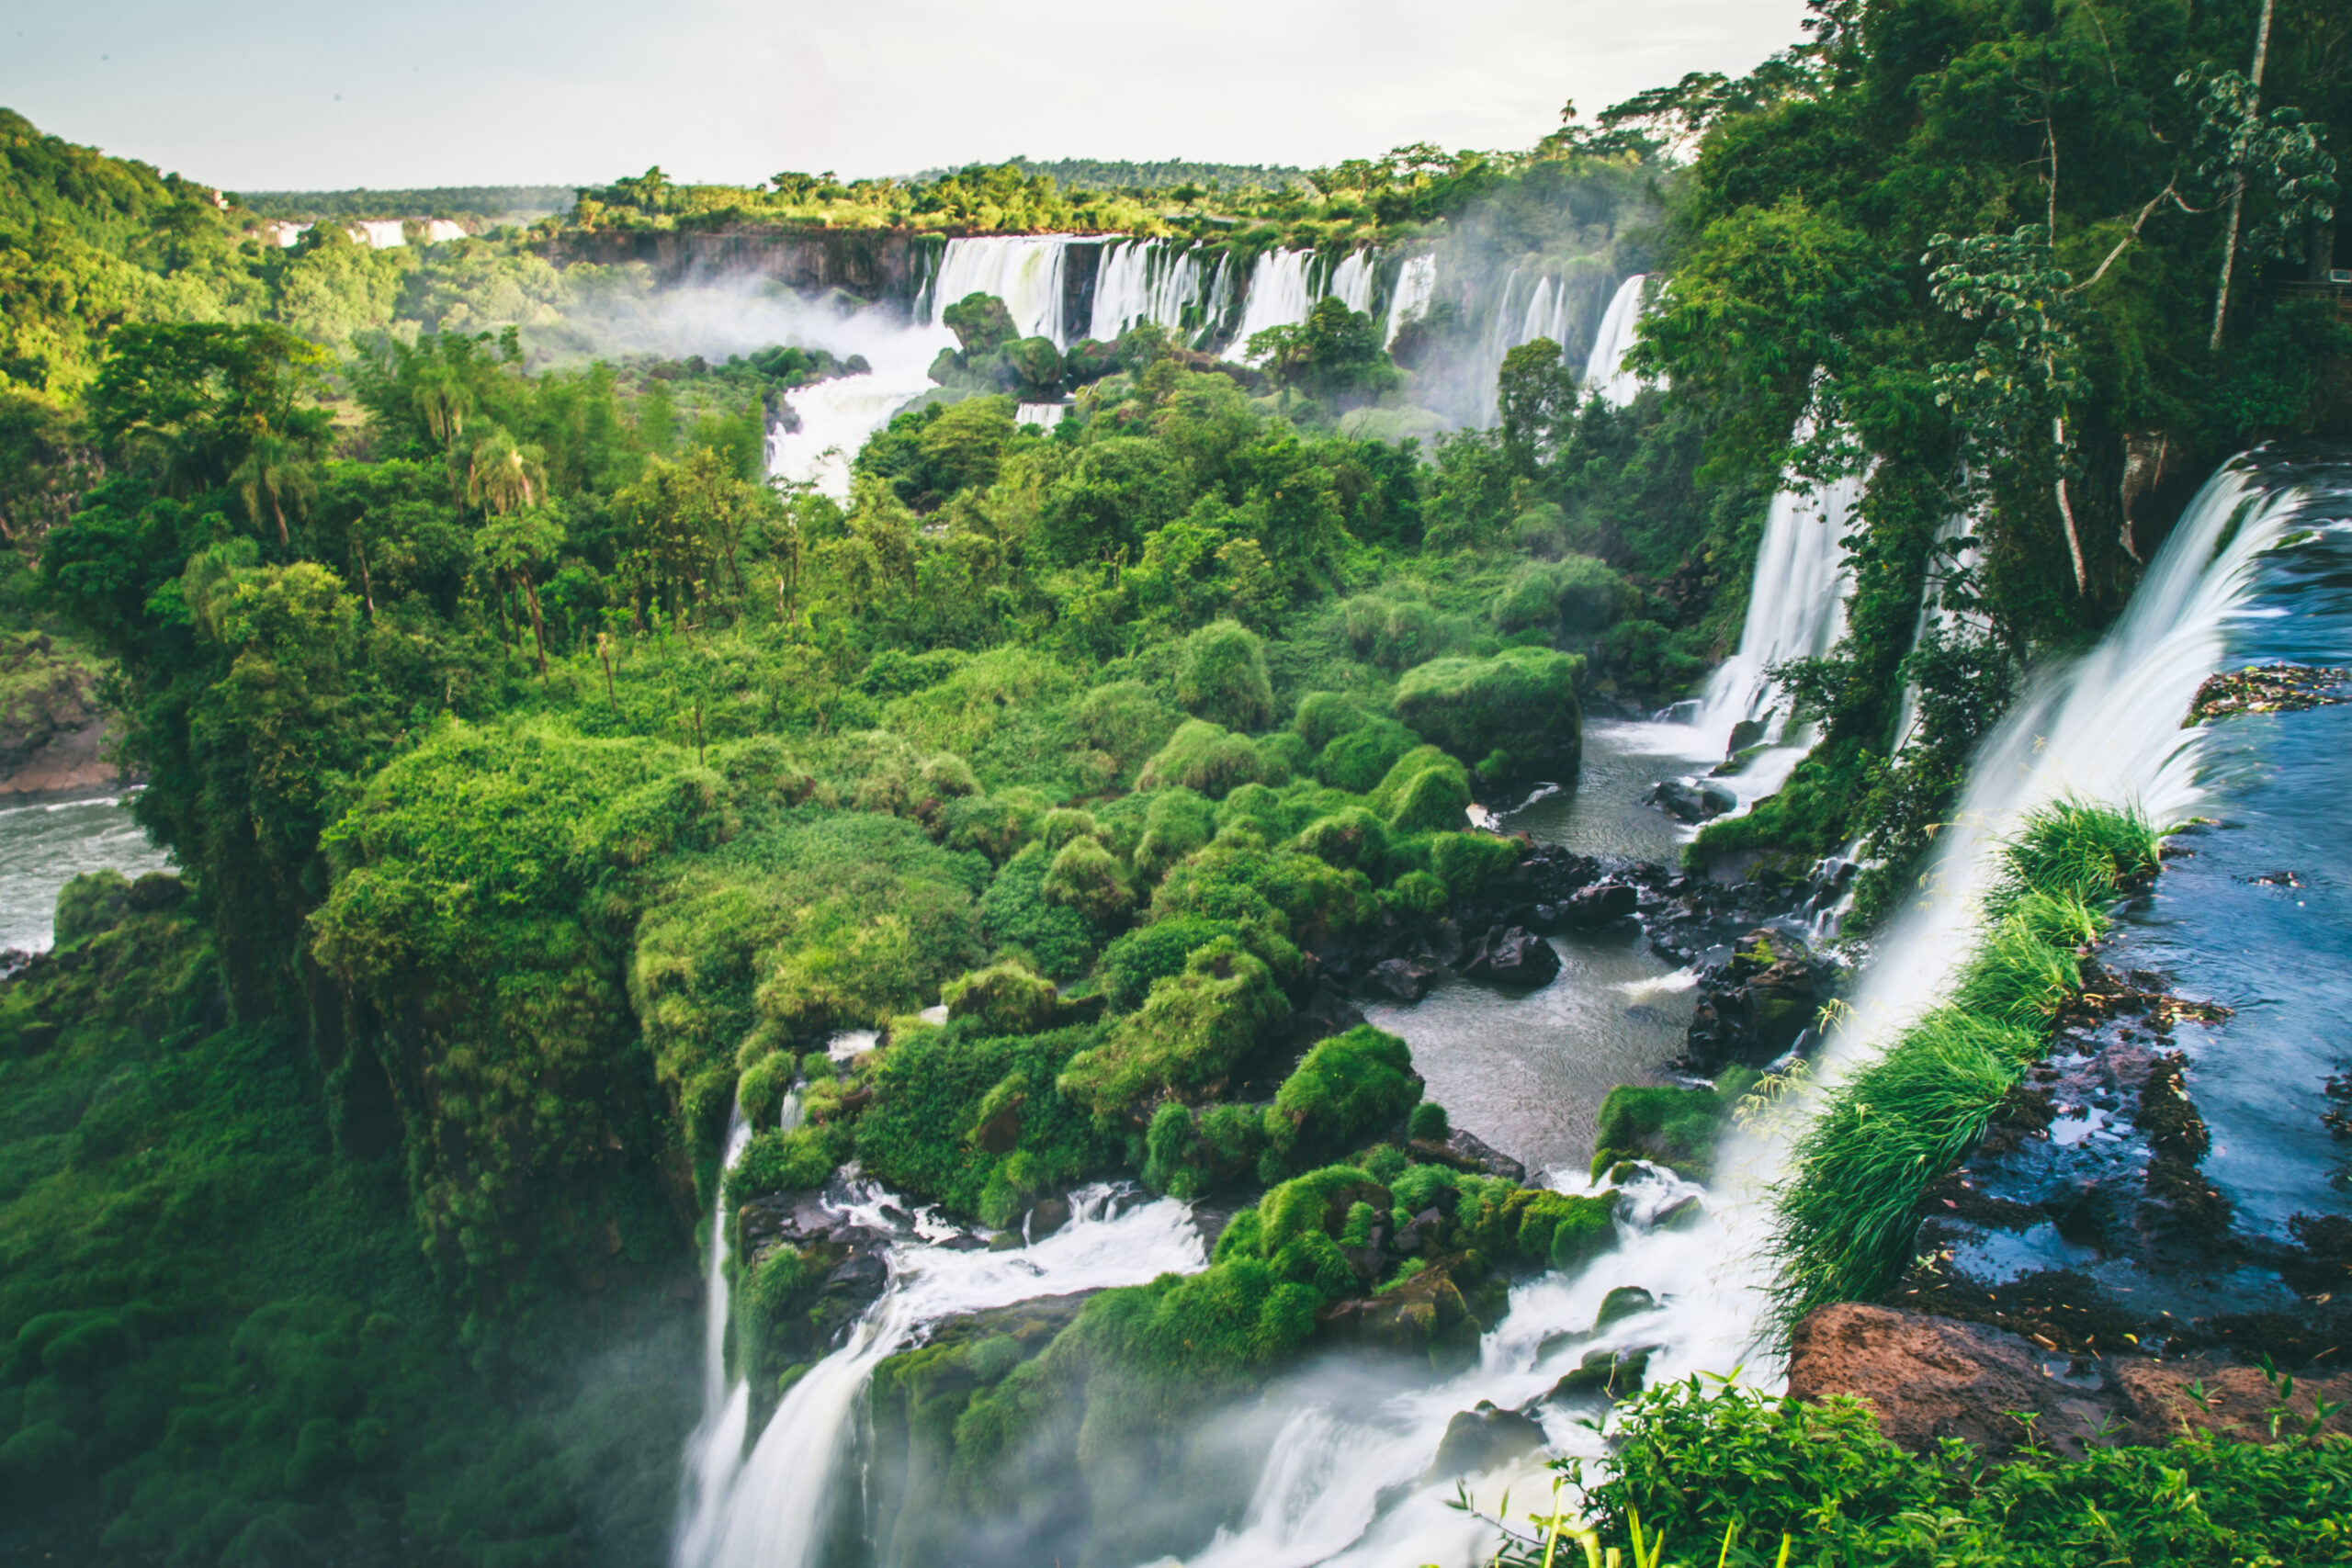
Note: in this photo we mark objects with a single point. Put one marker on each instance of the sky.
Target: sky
(272, 95)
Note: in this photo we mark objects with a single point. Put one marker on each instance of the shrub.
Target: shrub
(1467, 862)
(1178, 822)
(1126, 721)
(972, 1122)
(1282, 756)
(776, 1161)
(1542, 530)
(1193, 1031)
(1130, 964)
(1004, 998)
(1191, 1153)
(1353, 839)
(1395, 634)
(1324, 716)
(1532, 598)
(1418, 893)
(1018, 916)
(1522, 701)
(93, 902)
(1223, 677)
(1066, 823)
(1425, 792)
(1349, 1087)
(1204, 758)
(1428, 1124)
(1357, 760)
(1590, 593)
(1084, 877)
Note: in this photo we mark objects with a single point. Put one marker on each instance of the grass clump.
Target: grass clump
(1223, 678)
(1193, 1031)
(1674, 1127)
(1848, 1213)
(1349, 1088)
(1206, 758)
(1521, 704)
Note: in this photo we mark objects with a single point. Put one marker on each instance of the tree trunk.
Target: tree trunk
(366, 588)
(538, 627)
(279, 511)
(2237, 196)
(2066, 510)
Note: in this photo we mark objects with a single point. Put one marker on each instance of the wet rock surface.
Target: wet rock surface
(1928, 1378)
(1483, 1437)
(1758, 997)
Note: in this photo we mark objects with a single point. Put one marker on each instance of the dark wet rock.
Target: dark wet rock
(1407, 979)
(1603, 1377)
(1687, 802)
(1325, 1013)
(1625, 1302)
(1754, 1005)
(1511, 955)
(1599, 904)
(1681, 1214)
(1463, 1151)
(1480, 1439)
(1426, 1314)
(1049, 1215)
(1745, 733)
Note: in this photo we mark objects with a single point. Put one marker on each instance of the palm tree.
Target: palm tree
(501, 476)
(444, 399)
(278, 471)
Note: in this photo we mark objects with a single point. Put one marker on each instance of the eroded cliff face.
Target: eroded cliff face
(54, 735)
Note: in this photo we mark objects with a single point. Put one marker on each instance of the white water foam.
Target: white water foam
(718, 1436)
(1604, 369)
(1416, 287)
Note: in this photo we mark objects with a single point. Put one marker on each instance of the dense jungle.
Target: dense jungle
(859, 872)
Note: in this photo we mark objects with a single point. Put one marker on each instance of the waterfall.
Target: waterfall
(1347, 1483)
(1023, 270)
(836, 417)
(768, 1511)
(1605, 370)
(379, 233)
(1931, 613)
(1278, 295)
(1416, 287)
(2106, 728)
(718, 1436)
(1796, 607)
(1351, 281)
(1146, 280)
(1045, 414)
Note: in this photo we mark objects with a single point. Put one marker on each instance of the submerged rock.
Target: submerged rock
(1603, 1377)
(1686, 802)
(1482, 1439)
(1625, 1302)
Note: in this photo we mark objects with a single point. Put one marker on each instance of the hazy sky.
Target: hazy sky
(309, 93)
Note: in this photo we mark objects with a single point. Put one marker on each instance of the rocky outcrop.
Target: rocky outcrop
(52, 736)
(1930, 1378)
(1756, 1000)
(1511, 955)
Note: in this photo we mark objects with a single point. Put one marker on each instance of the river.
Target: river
(45, 845)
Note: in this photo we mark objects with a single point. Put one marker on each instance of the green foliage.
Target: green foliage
(92, 902)
(1357, 760)
(1673, 1127)
(1004, 998)
(1204, 757)
(1701, 1464)
(1223, 678)
(1522, 701)
(1353, 839)
(975, 1122)
(784, 1161)
(1848, 1215)
(1193, 1029)
(1020, 918)
(1349, 1087)
(1085, 877)
(1129, 966)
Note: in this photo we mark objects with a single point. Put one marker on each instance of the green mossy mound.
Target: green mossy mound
(1519, 706)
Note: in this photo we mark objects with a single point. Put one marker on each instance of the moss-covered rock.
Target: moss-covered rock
(1521, 704)
(1204, 758)
(1193, 1031)
(1085, 876)
(1357, 760)
(1349, 1088)
(1004, 998)
(1223, 677)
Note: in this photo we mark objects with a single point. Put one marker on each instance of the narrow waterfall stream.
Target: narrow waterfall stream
(1604, 368)
(774, 1507)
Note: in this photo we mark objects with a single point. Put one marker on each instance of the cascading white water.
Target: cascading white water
(1796, 609)
(380, 233)
(1351, 280)
(1416, 287)
(1047, 414)
(1604, 368)
(1144, 280)
(836, 417)
(1023, 270)
(767, 1511)
(718, 1436)
(1278, 295)
(1932, 613)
